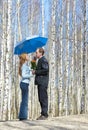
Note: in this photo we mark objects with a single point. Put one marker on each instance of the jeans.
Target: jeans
(23, 113)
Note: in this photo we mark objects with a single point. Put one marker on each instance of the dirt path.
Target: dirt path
(76, 122)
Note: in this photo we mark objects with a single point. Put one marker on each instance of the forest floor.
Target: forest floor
(73, 122)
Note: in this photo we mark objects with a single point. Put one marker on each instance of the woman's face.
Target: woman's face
(27, 57)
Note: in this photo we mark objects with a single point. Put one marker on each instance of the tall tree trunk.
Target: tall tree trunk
(67, 63)
(84, 60)
(19, 25)
(6, 101)
(74, 59)
(43, 18)
(60, 63)
(53, 60)
(2, 58)
(16, 89)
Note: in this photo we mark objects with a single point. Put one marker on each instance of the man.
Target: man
(41, 80)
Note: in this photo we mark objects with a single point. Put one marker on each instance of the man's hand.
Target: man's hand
(33, 71)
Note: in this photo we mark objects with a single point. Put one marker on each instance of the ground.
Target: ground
(73, 122)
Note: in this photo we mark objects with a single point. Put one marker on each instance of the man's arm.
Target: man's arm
(44, 68)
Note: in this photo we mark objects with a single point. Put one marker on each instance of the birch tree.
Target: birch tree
(67, 62)
(60, 63)
(19, 25)
(84, 59)
(6, 100)
(86, 62)
(2, 58)
(52, 60)
(43, 33)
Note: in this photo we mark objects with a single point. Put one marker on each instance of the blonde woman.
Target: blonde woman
(24, 72)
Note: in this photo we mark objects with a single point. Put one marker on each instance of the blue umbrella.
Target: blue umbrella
(30, 45)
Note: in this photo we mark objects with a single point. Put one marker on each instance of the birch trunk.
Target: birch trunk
(60, 65)
(16, 89)
(74, 57)
(84, 60)
(6, 101)
(71, 58)
(2, 59)
(31, 18)
(19, 25)
(67, 63)
(79, 70)
(53, 61)
(43, 19)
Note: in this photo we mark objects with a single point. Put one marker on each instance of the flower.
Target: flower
(33, 64)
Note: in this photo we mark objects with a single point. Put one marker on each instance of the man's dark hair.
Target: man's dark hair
(41, 50)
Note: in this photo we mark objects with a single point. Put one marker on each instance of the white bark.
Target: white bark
(84, 60)
(4, 52)
(53, 61)
(67, 63)
(2, 63)
(60, 65)
(6, 101)
(43, 19)
(19, 25)
(86, 68)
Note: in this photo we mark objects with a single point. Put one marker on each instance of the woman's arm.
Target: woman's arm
(25, 72)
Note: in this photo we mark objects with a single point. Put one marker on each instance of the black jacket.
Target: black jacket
(42, 72)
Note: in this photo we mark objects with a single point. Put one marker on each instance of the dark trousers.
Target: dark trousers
(43, 99)
(23, 113)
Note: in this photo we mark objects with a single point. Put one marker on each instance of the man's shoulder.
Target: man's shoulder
(44, 59)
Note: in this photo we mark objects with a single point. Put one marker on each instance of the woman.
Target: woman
(24, 72)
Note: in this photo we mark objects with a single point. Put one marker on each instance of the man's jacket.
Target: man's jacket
(42, 72)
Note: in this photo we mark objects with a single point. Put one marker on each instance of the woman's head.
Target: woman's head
(23, 58)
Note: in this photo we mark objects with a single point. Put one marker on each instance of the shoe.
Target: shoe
(42, 117)
(21, 119)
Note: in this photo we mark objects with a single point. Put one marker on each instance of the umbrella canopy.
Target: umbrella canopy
(30, 45)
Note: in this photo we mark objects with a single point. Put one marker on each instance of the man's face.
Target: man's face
(38, 54)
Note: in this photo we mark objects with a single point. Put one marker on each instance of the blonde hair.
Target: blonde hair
(22, 58)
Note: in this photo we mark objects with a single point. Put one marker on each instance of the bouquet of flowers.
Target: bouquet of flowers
(33, 64)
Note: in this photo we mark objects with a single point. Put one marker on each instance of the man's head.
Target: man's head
(39, 52)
